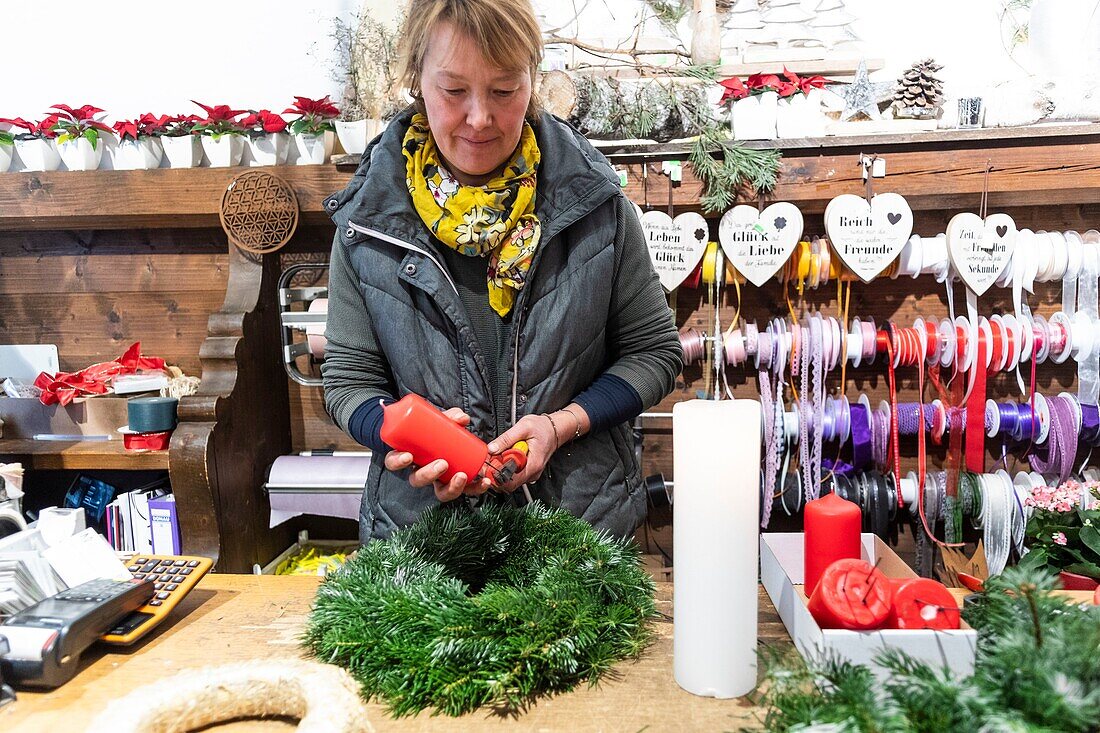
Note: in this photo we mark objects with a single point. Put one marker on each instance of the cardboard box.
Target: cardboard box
(781, 572)
(26, 417)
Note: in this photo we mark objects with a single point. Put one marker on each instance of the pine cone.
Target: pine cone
(918, 93)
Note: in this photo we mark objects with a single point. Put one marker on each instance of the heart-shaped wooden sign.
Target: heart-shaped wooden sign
(759, 243)
(868, 237)
(980, 250)
(675, 245)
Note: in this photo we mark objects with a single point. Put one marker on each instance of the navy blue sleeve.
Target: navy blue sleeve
(609, 400)
(365, 425)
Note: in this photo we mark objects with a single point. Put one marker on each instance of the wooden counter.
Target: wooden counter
(230, 618)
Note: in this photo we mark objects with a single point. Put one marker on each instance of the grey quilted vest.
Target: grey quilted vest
(556, 346)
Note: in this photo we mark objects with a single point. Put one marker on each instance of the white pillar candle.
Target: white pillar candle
(715, 530)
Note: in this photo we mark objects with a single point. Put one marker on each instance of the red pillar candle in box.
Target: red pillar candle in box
(832, 529)
(851, 595)
(922, 603)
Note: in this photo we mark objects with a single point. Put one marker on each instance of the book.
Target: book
(164, 526)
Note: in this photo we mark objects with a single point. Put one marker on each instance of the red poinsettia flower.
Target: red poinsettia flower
(733, 89)
(811, 82)
(180, 125)
(264, 121)
(220, 112)
(18, 122)
(317, 107)
(126, 129)
(86, 112)
(151, 124)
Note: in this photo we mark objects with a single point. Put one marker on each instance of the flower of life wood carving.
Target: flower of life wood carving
(259, 212)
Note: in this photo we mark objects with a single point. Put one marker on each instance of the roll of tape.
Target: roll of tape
(151, 414)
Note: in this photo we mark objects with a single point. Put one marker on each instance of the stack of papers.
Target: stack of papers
(26, 577)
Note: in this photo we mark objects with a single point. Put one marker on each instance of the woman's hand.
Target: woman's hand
(422, 476)
(539, 432)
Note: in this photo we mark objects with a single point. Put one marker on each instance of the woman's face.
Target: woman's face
(475, 109)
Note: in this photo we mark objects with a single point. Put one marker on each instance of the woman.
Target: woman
(486, 259)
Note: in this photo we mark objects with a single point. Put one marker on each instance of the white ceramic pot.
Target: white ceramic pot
(80, 155)
(7, 152)
(801, 115)
(354, 135)
(137, 155)
(223, 151)
(314, 149)
(754, 116)
(182, 152)
(269, 149)
(38, 154)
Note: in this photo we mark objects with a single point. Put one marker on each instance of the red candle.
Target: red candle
(923, 603)
(851, 595)
(832, 533)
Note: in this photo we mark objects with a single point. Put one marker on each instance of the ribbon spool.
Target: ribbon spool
(259, 212)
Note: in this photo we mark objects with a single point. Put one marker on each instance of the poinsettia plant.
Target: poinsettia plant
(220, 120)
(147, 125)
(1063, 533)
(43, 130)
(263, 122)
(315, 116)
(6, 138)
(786, 86)
(180, 125)
(82, 122)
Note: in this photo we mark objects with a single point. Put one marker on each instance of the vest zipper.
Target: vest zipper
(404, 245)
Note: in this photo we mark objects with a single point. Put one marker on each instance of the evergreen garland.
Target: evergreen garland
(1037, 669)
(492, 607)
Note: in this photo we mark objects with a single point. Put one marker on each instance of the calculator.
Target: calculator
(46, 640)
(173, 577)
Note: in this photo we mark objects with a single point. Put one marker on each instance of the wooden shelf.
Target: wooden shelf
(83, 455)
(161, 198)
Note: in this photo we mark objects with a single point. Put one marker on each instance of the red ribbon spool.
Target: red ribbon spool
(851, 595)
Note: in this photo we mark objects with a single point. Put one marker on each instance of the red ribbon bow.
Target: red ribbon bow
(62, 388)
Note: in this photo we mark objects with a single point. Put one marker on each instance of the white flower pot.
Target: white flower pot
(269, 149)
(314, 149)
(7, 152)
(38, 154)
(182, 152)
(754, 117)
(224, 150)
(354, 135)
(137, 155)
(80, 154)
(801, 115)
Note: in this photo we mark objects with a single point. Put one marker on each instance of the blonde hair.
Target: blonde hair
(505, 30)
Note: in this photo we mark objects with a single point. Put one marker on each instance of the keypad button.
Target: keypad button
(180, 563)
(179, 579)
(156, 603)
(158, 586)
(171, 586)
(162, 595)
(166, 561)
(185, 571)
(193, 564)
(134, 568)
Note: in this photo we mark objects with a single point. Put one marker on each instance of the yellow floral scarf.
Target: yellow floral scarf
(497, 219)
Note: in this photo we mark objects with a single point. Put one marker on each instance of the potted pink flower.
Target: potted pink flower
(313, 131)
(36, 146)
(139, 145)
(266, 138)
(181, 142)
(222, 134)
(1063, 533)
(78, 136)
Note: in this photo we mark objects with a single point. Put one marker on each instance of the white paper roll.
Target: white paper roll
(716, 505)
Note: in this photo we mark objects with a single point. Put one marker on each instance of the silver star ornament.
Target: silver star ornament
(863, 95)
